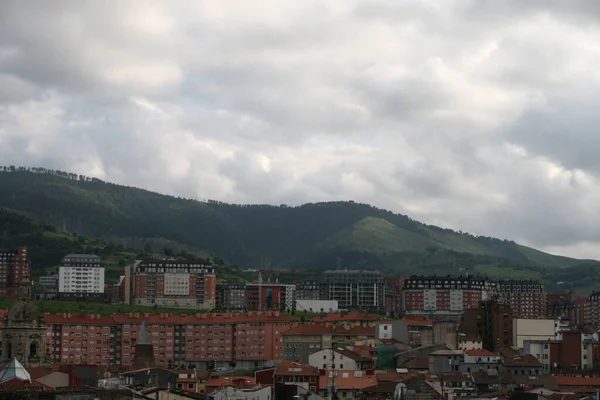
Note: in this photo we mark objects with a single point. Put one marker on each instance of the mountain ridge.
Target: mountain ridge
(311, 235)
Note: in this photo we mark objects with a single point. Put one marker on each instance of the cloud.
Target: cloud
(478, 116)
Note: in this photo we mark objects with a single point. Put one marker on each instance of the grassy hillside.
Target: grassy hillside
(321, 235)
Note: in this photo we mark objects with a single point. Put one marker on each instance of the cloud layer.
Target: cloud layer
(478, 116)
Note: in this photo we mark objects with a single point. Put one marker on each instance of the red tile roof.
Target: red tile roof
(242, 382)
(349, 380)
(480, 353)
(576, 381)
(524, 360)
(417, 321)
(291, 368)
(313, 329)
(351, 316)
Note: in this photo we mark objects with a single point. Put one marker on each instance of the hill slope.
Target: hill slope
(309, 236)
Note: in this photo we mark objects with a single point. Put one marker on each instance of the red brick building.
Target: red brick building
(527, 298)
(14, 264)
(251, 339)
(446, 296)
(269, 296)
(492, 321)
(171, 283)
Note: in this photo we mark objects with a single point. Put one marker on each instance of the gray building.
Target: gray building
(310, 290)
(231, 296)
(355, 289)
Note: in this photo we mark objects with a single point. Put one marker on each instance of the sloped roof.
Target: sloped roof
(14, 370)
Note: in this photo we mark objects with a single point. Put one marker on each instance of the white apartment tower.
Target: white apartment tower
(81, 276)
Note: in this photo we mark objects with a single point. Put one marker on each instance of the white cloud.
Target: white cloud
(473, 115)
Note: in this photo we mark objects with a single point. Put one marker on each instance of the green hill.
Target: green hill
(320, 235)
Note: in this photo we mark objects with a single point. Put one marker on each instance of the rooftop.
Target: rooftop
(291, 368)
(480, 353)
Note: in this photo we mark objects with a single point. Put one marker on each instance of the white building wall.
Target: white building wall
(177, 284)
(456, 300)
(322, 359)
(532, 329)
(81, 279)
(317, 305)
(384, 330)
(430, 299)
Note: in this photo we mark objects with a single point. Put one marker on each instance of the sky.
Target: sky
(480, 116)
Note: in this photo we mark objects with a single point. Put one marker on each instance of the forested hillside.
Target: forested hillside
(320, 235)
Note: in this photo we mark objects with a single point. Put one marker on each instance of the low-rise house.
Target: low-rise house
(455, 383)
(469, 342)
(296, 373)
(192, 380)
(341, 358)
(524, 364)
(446, 361)
(239, 382)
(479, 360)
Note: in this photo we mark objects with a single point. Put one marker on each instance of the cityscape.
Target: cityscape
(354, 334)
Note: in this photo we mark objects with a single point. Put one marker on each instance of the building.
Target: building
(293, 373)
(310, 290)
(340, 358)
(81, 277)
(172, 283)
(231, 296)
(317, 306)
(413, 330)
(23, 335)
(301, 341)
(217, 340)
(527, 298)
(492, 321)
(384, 329)
(14, 264)
(592, 309)
(269, 296)
(532, 329)
(231, 392)
(444, 296)
(572, 351)
(355, 289)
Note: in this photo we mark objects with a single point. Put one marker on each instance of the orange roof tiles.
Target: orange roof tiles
(576, 381)
(417, 321)
(242, 382)
(313, 329)
(480, 353)
(348, 380)
(291, 368)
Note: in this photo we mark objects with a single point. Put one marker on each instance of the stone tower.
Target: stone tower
(23, 334)
(143, 356)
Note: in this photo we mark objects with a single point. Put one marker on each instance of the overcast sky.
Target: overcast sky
(481, 116)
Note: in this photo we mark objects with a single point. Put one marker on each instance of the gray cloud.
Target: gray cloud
(478, 116)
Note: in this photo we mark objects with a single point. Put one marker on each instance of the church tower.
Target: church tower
(23, 334)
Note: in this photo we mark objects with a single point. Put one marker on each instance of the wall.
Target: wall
(322, 359)
(317, 305)
(532, 329)
(384, 330)
(234, 393)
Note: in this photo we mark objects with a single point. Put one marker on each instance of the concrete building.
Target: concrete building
(341, 358)
(355, 289)
(171, 283)
(574, 351)
(413, 331)
(269, 296)
(317, 306)
(466, 342)
(231, 296)
(526, 298)
(81, 277)
(532, 329)
(444, 297)
(384, 329)
(14, 264)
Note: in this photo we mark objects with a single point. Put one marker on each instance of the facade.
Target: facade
(310, 290)
(230, 392)
(532, 329)
(592, 309)
(444, 296)
(492, 321)
(14, 265)
(81, 277)
(49, 283)
(355, 289)
(573, 351)
(384, 329)
(172, 283)
(269, 296)
(317, 306)
(339, 358)
(301, 341)
(249, 340)
(231, 296)
(23, 332)
(527, 298)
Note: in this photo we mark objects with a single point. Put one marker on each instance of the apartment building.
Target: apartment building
(310, 290)
(171, 283)
(231, 296)
(527, 298)
(492, 322)
(14, 264)
(355, 289)
(250, 340)
(572, 351)
(444, 296)
(81, 277)
(592, 309)
(269, 296)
